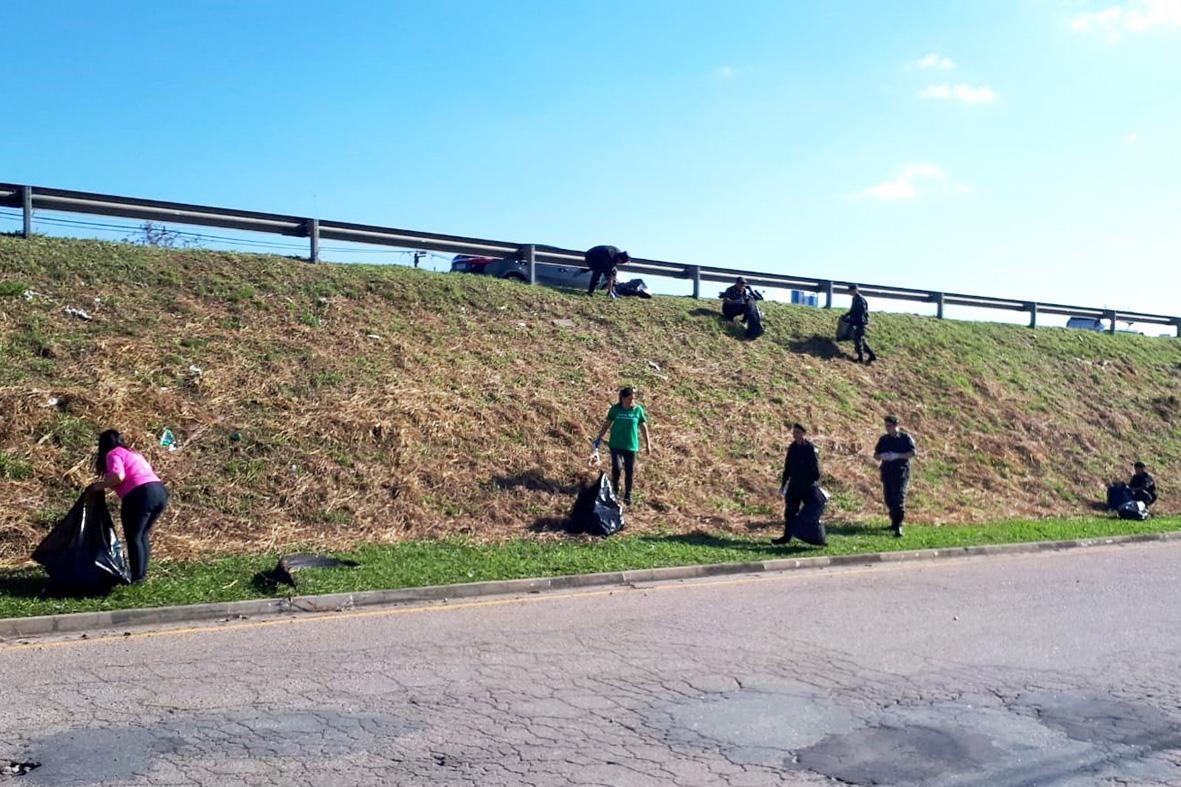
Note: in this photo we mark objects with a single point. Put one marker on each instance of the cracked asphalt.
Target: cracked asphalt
(1049, 669)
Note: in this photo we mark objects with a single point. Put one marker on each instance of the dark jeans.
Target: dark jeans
(732, 309)
(597, 274)
(793, 501)
(894, 486)
(628, 460)
(139, 512)
(860, 345)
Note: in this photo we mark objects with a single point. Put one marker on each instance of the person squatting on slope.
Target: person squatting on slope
(801, 472)
(137, 485)
(858, 318)
(627, 421)
(602, 261)
(894, 450)
(734, 299)
(1143, 485)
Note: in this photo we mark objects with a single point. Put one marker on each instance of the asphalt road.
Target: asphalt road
(1051, 669)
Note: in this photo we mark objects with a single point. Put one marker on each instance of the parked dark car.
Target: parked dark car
(567, 276)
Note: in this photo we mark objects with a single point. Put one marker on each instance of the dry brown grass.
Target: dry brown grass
(471, 411)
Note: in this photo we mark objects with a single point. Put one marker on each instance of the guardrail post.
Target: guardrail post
(27, 203)
(1177, 323)
(1112, 315)
(529, 254)
(827, 286)
(695, 273)
(313, 231)
(1032, 307)
(938, 298)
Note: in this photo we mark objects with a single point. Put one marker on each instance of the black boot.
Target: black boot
(783, 539)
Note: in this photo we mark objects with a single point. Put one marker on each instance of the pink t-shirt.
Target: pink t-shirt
(132, 466)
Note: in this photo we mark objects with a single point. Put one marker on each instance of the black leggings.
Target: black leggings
(139, 512)
(628, 460)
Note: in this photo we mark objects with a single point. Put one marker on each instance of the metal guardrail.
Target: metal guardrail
(33, 198)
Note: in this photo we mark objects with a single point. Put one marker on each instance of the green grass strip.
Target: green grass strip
(419, 563)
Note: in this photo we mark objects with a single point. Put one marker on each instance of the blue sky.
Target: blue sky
(1025, 149)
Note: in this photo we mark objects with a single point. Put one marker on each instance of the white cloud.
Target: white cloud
(904, 186)
(965, 93)
(934, 60)
(1131, 139)
(1134, 17)
(724, 72)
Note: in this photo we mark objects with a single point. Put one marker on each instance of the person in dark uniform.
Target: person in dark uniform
(858, 317)
(734, 299)
(894, 450)
(602, 261)
(801, 472)
(1143, 485)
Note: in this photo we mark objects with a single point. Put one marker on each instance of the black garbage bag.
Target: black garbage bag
(1133, 509)
(754, 319)
(635, 287)
(1118, 494)
(808, 526)
(82, 552)
(844, 329)
(597, 511)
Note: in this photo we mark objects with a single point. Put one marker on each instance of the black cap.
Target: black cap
(853, 288)
(800, 426)
(892, 419)
(1138, 465)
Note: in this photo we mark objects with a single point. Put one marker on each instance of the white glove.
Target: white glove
(888, 456)
(783, 491)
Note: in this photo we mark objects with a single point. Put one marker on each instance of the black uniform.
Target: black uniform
(602, 261)
(734, 301)
(1143, 488)
(801, 471)
(858, 317)
(895, 474)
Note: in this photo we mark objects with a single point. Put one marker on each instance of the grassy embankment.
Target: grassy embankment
(331, 406)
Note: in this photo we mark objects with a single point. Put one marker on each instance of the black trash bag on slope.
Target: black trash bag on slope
(1118, 494)
(82, 552)
(844, 330)
(1133, 509)
(754, 319)
(808, 526)
(597, 511)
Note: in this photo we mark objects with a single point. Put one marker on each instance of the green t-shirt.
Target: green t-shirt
(625, 426)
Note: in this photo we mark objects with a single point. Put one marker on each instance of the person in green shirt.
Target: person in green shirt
(627, 421)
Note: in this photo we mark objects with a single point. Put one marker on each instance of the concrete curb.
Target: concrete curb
(16, 628)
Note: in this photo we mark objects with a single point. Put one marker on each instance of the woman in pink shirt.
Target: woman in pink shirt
(143, 496)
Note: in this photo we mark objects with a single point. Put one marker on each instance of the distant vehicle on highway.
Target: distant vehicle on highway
(1094, 324)
(1086, 324)
(566, 276)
